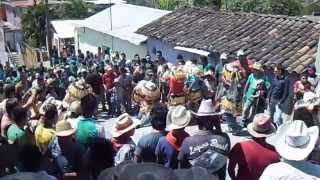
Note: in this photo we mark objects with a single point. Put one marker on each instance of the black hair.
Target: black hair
(50, 112)
(19, 114)
(280, 68)
(179, 57)
(30, 158)
(100, 155)
(9, 90)
(89, 105)
(11, 103)
(158, 118)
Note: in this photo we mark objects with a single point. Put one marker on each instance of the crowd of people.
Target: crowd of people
(51, 119)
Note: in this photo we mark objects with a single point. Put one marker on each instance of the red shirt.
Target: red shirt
(108, 80)
(252, 157)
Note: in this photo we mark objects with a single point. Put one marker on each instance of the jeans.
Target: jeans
(275, 112)
(247, 113)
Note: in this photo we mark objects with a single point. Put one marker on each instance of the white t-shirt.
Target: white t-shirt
(291, 170)
(41, 175)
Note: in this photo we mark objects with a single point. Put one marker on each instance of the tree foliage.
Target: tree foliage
(34, 20)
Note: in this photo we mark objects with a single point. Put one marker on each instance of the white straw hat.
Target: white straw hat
(294, 141)
(178, 117)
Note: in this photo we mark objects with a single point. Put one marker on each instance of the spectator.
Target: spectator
(146, 147)
(278, 93)
(31, 159)
(17, 133)
(108, 83)
(248, 159)
(95, 81)
(66, 152)
(250, 89)
(10, 104)
(99, 156)
(169, 147)
(124, 90)
(121, 138)
(208, 148)
(45, 132)
(294, 142)
(87, 127)
(301, 86)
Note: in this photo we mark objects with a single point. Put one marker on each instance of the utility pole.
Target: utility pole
(47, 28)
(111, 25)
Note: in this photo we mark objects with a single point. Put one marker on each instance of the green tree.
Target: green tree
(72, 9)
(34, 25)
(34, 22)
(282, 7)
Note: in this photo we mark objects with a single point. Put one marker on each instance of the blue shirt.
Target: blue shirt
(279, 89)
(167, 154)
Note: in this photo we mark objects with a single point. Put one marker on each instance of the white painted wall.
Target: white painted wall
(168, 51)
(89, 40)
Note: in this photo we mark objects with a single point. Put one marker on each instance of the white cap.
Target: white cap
(240, 53)
(224, 56)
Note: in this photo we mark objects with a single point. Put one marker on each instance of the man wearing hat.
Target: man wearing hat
(209, 147)
(249, 158)
(122, 142)
(169, 146)
(250, 89)
(294, 142)
(66, 152)
(108, 83)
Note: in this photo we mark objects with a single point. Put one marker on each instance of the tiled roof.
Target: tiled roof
(291, 41)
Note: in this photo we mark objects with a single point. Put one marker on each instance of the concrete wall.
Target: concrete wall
(89, 40)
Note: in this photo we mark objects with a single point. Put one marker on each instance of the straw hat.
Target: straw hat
(206, 108)
(178, 117)
(261, 126)
(63, 128)
(75, 107)
(124, 124)
(257, 66)
(79, 89)
(294, 141)
(150, 91)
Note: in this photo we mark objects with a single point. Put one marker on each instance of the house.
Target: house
(290, 41)
(11, 36)
(63, 33)
(115, 28)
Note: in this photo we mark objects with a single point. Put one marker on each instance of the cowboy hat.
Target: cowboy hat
(130, 170)
(63, 128)
(75, 107)
(178, 117)
(206, 108)
(257, 66)
(261, 126)
(150, 91)
(124, 124)
(294, 141)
